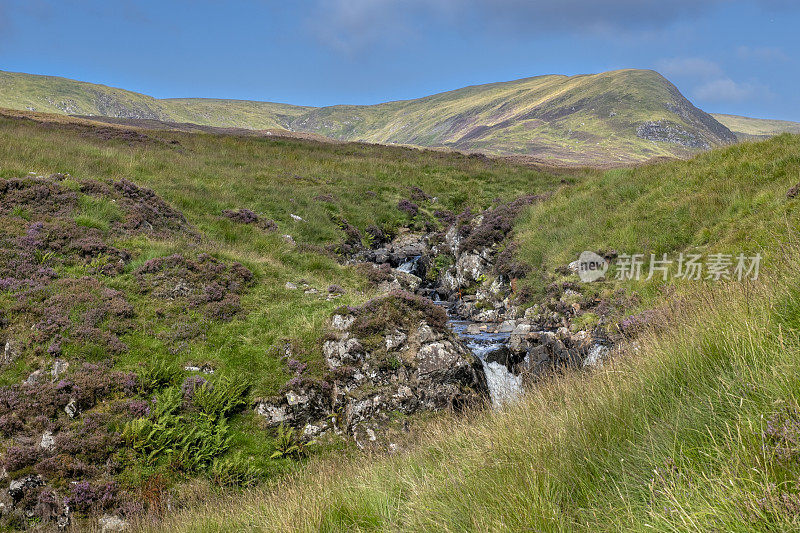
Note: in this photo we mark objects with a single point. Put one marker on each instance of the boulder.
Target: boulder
(415, 363)
(112, 523)
(59, 368)
(18, 487)
(10, 352)
(470, 268)
(48, 441)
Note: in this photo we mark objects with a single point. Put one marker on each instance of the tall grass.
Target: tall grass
(670, 436)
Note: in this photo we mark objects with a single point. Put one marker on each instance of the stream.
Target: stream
(504, 387)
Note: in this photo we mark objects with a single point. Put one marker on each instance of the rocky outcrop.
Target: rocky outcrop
(394, 355)
(670, 132)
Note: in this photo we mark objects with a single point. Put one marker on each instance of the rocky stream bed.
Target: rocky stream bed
(446, 331)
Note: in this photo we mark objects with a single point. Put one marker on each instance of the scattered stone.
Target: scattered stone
(290, 286)
(395, 340)
(205, 368)
(793, 192)
(34, 378)
(296, 217)
(112, 523)
(59, 368)
(595, 357)
(289, 240)
(72, 409)
(10, 352)
(507, 326)
(342, 322)
(48, 441)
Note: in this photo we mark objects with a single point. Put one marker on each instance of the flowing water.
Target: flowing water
(410, 265)
(504, 387)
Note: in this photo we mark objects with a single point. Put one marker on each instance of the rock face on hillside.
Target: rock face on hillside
(393, 356)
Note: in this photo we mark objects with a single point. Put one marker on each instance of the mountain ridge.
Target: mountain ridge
(623, 116)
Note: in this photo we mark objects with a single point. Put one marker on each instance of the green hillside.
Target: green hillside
(750, 128)
(591, 119)
(51, 94)
(141, 257)
(694, 425)
(610, 118)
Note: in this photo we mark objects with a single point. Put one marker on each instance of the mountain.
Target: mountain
(747, 128)
(61, 95)
(625, 115)
(617, 117)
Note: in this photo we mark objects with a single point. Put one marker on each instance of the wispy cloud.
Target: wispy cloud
(725, 90)
(349, 25)
(709, 82)
(695, 67)
(761, 53)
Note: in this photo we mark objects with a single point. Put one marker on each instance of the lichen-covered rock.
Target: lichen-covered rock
(395, 354)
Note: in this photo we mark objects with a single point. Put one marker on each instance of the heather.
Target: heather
(154, 286)
(693, 426)
(144, 301)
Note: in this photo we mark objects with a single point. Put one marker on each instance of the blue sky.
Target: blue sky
(731, 56)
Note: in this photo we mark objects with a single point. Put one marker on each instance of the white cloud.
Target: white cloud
(353, 24)
(695, 67)
(761, 53)
(727, 90)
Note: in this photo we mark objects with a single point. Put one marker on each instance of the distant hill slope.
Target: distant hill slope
(61, 95)
(617, 117)
(758, 128)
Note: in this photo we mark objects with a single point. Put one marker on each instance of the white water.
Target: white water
(504, 387)
(409, 266)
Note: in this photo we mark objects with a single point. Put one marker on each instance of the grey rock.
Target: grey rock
(507, 326)
(275, 414)
(473, 329)
(522, 329)
(59, 368)
(34, 378)
(72, 409)
(18, 487)
(470, 268)
(345, 351)
(395, 340)
(437, 357)
(289, 286)
(10, 352)
(342, 322)
(112, 523)
(48, 441)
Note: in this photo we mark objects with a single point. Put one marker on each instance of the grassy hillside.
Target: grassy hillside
(648, 440)
(749, 128)
(99, 273)
(693, 426)
(51, 94)
(591, 119)
(610, 118)
(730, 200)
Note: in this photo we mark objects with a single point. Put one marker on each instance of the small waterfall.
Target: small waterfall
(504, 387)
(410, 266)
